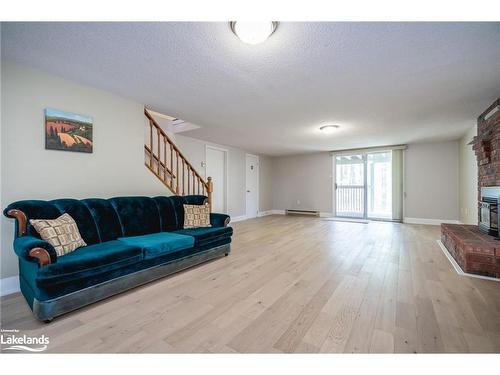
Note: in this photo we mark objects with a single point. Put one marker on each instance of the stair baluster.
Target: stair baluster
(164, 168)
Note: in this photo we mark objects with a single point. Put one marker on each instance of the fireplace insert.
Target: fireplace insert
(488, 210)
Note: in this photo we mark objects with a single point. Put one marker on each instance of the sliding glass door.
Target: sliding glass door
(350, 186)
(367, 185)
(379, 185)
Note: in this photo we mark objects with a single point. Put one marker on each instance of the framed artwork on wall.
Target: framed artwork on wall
(67, 131)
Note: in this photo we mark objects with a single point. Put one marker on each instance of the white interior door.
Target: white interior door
(252, 184)
(216, 168)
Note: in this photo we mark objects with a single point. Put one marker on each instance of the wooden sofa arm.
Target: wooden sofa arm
(20, 216)
(33, 249)
(41, 254)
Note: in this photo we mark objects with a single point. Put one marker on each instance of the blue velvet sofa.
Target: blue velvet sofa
(130, 241)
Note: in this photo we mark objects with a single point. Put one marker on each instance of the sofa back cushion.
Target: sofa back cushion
(171, 209)
(195, 199)
(137, 215)
(105, 217)
(168, 217)
(82, 216)
(178, 203)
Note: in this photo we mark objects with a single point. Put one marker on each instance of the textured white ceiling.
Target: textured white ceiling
(383, 83)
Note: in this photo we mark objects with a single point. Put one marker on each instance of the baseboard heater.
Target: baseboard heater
(302, 212)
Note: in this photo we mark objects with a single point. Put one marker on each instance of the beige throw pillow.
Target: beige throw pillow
(196, 215)
(62, 233)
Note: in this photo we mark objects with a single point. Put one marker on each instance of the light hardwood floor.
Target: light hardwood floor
(293, 285)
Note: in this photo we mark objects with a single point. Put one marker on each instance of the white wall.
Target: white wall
(116, 167)
(468, 179)
(431, 181)
(305, 178)
(265, 183)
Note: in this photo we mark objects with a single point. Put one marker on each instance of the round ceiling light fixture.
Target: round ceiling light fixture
(253, 32)
(328, 129)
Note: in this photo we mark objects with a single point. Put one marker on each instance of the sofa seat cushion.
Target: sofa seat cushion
(204, 236)
(90, 261)
(157, 244)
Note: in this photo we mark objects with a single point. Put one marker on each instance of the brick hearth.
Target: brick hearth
(474, 251)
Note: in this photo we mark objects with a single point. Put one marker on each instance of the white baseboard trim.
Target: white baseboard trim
(416, 220)
(277, 212)
(325, 214)
(265, 213)
(457, 267)
(235, 219)
(9, 285)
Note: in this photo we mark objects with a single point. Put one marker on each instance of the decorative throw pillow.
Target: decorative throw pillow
(196, 215)
(62, 233)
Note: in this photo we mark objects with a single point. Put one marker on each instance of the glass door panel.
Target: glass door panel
(379, 185)
(350, 185)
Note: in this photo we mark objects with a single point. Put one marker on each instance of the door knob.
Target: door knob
(248, 191)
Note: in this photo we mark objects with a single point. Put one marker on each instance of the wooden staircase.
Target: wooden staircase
(167, 162)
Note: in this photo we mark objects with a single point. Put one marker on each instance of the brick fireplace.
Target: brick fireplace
(487, 147)
(475, 251)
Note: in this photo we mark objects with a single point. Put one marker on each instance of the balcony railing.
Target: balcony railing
(350, 200)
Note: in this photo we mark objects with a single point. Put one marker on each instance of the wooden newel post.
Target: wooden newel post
(210, 187)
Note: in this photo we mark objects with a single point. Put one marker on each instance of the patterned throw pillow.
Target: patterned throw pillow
(196, 215)
(62, 233)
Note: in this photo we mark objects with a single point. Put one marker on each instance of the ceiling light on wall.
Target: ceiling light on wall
(253, 32)
(328, 129)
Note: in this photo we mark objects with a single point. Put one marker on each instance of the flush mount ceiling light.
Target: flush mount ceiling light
(328, 129)
(253, 32)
